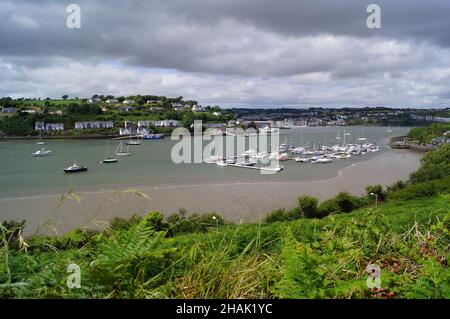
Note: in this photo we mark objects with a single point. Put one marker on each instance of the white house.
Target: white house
(129, 102)
(156, 109)
(94, 100)
(166, 123)
(162, 123)
(198, 108)
(59, 112)
(142, 131)
(93, 125)
(154, 102)
(124, 131)
(112, 101)
(9, 110)
(54, 127)
(41, 126)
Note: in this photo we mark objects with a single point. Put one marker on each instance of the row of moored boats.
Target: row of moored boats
(75, 168)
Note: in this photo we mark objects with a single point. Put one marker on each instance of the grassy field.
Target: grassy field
(306, 258)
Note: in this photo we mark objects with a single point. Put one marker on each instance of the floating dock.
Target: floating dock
(260, 168)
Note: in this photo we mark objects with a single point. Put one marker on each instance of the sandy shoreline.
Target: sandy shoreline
(235, 201)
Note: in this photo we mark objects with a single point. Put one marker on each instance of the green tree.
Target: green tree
(188, 120)
(65, 97)
(308, 206)
(377, 190)
(346, 202)
(435, 165)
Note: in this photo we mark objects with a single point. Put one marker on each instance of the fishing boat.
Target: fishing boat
(75, 168)
(42, 152)
(120, 152)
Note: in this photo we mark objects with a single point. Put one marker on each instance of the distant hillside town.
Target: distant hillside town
(146, 114)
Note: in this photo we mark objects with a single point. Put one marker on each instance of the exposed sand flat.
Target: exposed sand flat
(234, 201)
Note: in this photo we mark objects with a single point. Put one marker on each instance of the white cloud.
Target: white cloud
(22, 21)
(65, 76)
(240, 54)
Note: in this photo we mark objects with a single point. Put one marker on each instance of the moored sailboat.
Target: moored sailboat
(109, 159)
(120, 152)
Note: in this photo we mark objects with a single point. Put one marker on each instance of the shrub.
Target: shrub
(121, 223)
(328, 207)
(378, 191)
(398, 185)
(346, 202)
(180, 223)
(435, 165)
(308, 206)
(278, 215)
(156, 220)
(293, 214)
(414, 191)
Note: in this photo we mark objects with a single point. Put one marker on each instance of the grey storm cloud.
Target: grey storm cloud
(311, 50)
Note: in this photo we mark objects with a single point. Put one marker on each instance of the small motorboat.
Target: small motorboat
(230, 161)
(283, 157)
(302, 159)
(75, 168)
(153, 137)
(42, 152)
(272, 169)
(322, 160)
(221, 163)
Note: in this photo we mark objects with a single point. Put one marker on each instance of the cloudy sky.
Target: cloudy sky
(249, 53)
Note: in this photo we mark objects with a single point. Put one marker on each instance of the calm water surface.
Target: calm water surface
(151, 165)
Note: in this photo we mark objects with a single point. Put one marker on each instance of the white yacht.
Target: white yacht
(302, 159)
(42, 152)
(322, 160)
